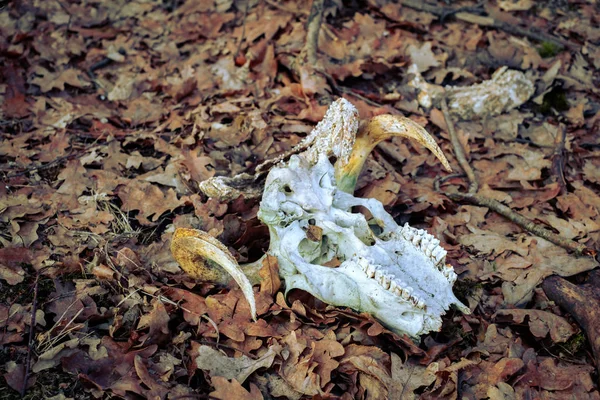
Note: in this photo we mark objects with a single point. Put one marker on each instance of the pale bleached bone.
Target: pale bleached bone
(334, 136)
(506, 90)
(397, 274)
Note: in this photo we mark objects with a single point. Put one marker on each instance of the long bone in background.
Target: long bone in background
(397, 274)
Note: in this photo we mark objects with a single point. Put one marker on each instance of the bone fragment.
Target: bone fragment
(506, 90)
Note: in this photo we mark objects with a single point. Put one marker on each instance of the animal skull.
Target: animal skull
(397, 274)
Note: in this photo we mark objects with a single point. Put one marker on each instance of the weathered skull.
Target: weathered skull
(397, 274)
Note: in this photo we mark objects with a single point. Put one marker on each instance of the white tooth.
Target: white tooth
(439, 254)
(420, 304)
(398, 291)
(428, 250)
(431, 247)
(406, 294)
(363, 264)
(449, 273)
(407, 232)
(386, 282)
(370, 271)
(393, 286)
(378, 276)
(417, 238)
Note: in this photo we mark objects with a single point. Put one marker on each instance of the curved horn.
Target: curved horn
(193, 248)
(374, 131)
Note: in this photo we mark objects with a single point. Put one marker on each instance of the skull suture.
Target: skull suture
(397, 274)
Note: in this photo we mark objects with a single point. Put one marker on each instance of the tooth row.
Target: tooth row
(429, 244)
(390, 283)
(449, 273)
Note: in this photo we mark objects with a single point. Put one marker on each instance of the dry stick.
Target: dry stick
(315, 19)
(489, 22)
(522, 221)
(303, 14)
(558, 161)
(40, 167)
(495, 205)
(275, 4)
(458, 150)
(582, 302)
(31, 331)
(239, 47)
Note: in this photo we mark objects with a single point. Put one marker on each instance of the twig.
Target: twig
(531, 33)
(301, 13)
(221, 345)
(313, 26)
(459, 152)
(582, 302)
(522, 221)
(239, 46)
(359, 96)
(284, 8)
(528, 33)
(477, 8)
(40, 167)
(31, 332)
(342, 89)
(558, 161)
(494, 205)
(72, 154)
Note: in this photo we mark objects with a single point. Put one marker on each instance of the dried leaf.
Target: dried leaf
(269, 273)
(407, 377)
(541, 322)
(240, 368)
(157, 321)
(226, 390)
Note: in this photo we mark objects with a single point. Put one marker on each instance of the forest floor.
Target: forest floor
(112, 112)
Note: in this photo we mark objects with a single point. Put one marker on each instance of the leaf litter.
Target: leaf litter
(113, 113)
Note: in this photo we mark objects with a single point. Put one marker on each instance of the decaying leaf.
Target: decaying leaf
(225, 390)
(407, 377)
(541, 323)
(239, 368)
(121, 123)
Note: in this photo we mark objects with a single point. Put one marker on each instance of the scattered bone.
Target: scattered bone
(506, 90)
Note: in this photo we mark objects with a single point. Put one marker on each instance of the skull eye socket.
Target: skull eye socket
(376, 229)
(287, 189)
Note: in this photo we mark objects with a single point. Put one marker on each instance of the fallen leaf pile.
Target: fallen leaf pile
(111, 113)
